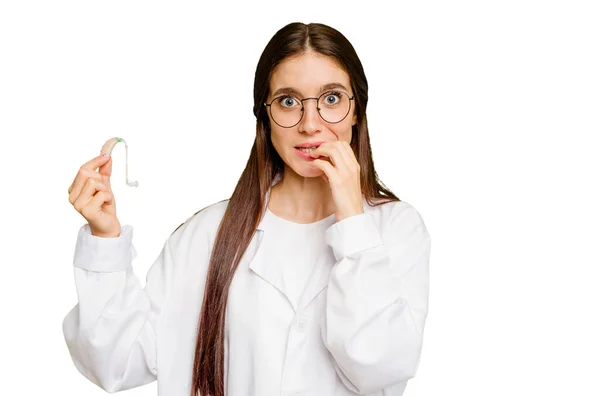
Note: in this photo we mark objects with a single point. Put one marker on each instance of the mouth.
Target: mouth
(308, 147)
(306, 153)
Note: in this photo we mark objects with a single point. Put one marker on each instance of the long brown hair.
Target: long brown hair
(246, 205)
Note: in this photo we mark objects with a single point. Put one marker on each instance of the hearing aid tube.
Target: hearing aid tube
(108, 148)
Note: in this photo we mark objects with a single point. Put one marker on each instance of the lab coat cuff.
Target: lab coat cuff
(99, 254)
(353, 234)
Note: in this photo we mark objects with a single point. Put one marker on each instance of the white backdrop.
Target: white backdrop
(483, 115)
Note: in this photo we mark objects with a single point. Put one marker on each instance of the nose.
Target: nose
(311, 120)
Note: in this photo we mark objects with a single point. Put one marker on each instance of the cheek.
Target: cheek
(343, 132)
(278, 141)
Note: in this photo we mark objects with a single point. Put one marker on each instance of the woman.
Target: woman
(330, 292)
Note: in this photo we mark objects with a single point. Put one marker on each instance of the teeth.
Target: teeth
(306, 149)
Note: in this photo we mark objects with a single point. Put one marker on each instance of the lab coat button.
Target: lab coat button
(302, 324)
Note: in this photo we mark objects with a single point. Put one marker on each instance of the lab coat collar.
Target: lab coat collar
(266, 267)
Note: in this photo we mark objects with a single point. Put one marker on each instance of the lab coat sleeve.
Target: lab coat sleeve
(111, 332)
(377, 298)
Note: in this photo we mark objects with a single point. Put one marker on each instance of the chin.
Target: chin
(307, 170)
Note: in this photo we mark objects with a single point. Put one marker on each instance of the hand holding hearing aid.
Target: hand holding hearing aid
(92, 196)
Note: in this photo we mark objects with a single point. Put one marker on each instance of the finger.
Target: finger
(91, 187)
(336, 153)
(350, 155)
(87, 193)
(105, 171)
(95, 203)
(96, 162)
(82, 177)
(327, 168)
(347, 159)
(324, 151)
(92, 165)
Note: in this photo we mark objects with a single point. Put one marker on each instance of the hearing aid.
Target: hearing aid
(108, 148)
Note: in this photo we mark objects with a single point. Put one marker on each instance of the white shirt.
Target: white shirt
(351, 324)
(302, 248)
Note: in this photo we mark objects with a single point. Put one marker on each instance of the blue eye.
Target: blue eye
(332, 98)
(287, 101)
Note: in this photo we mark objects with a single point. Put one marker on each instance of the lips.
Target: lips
(309, 144)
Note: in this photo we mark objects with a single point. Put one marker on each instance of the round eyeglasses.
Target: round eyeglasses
(287, 110)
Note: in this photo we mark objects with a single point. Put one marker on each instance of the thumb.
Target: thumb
(106, 170)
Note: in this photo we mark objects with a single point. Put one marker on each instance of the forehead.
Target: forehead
(306, 73)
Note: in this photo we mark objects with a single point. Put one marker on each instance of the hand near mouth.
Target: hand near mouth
(342, 172)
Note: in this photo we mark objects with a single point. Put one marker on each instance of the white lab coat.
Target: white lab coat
(358, 328)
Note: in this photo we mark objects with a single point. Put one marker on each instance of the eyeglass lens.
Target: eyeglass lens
(287, 110)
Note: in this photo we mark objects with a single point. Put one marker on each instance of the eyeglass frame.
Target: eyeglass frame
(302, 109)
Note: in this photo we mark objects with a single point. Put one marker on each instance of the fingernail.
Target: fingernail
(104, 155)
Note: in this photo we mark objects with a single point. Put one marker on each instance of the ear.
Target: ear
(354, 120)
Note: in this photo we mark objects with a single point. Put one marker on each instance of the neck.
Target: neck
(301, 199)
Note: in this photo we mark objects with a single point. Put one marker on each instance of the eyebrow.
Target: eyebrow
(290, 90)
